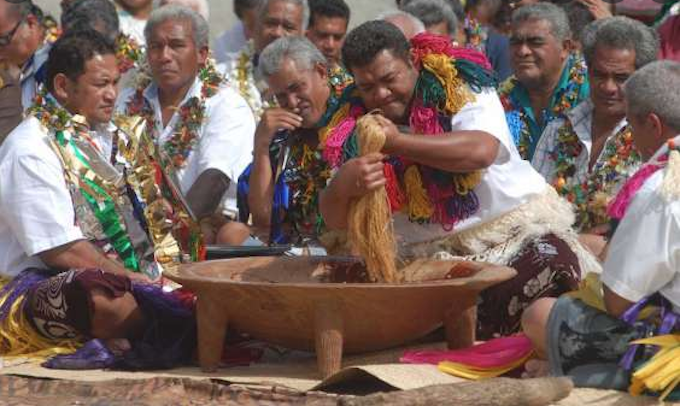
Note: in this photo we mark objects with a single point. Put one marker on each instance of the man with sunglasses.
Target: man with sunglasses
(22, 44)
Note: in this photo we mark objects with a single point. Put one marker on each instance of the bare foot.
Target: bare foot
(536, 368)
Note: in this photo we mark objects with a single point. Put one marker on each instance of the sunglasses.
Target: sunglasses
(5, 39)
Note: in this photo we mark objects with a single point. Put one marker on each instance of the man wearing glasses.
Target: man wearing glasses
(22, 45)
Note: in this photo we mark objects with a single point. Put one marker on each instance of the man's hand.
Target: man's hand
(598, 8)
(392, 133)
(359, 176)
(273, 120)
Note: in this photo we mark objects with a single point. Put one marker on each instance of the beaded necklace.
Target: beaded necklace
(519, 120)
(617, 160)
(191, 115)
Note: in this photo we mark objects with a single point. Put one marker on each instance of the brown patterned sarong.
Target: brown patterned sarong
(546, 267)
(61, 307)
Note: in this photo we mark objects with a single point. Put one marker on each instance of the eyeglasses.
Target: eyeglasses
(5, 39)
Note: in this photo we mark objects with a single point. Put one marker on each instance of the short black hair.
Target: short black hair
(100, 15)
(328, 9)
(70, 53)
(240, 6)
(366, 41)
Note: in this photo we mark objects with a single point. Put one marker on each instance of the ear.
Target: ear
(62, 87)
(203, 55)
(322, 70)
(32, 21)
(658, 128)
(567, 47)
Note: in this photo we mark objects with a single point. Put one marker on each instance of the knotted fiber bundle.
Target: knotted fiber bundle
(369, 220)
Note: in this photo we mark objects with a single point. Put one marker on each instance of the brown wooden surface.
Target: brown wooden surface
(277, 299)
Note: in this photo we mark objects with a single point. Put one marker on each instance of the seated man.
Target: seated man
(203, 127)
(328, 21)
(589, 154)
(641, 263)
(24, 44)
(466, 192)
(275, 19)
(549, 80)
(74, 252)
(281, 187)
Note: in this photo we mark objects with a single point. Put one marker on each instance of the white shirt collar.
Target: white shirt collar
(36, 62)
(151, 95)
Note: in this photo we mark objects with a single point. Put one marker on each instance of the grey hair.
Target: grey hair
(99, 15)
(199, 6)
(432, 12)
(301, 3)
(388, 15)
(655, 88)
(296, 48)
(554, 15)
(623, 33)
(173, 12)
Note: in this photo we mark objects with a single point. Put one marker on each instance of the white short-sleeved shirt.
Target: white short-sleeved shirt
(509, 182)
(132, 26)
(581, 119)
(229, 42)
(225, 141)
(644, 254)
(36, 210)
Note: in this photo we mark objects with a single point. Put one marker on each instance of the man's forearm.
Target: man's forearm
(460, 151)
(261, 189)
(334, 206)
(80, 254)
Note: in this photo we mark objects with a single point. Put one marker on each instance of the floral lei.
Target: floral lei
(592, 196)
(308, 169)
(129, 53)
(192, 114)
(100, 194)
(569, 97)
(428, 195)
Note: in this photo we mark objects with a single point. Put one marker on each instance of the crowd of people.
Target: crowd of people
(536, 135)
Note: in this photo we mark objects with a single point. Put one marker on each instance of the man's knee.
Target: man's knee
(535, 319)
(114, 317)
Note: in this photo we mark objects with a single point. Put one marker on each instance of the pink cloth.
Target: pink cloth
(669, 34)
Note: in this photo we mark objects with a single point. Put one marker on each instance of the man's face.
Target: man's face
(536, 55)
(93, 94)
(440, 28)
(609, 69)
(135, 4)
(173, 56)
(249, 20)
(328, 34)
(19, 38)
(302, 91)
(281, 19)
(387, 84)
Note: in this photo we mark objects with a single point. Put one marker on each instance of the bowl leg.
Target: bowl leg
(212, 327)
(328, 340)
(460, 324)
